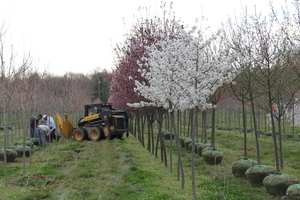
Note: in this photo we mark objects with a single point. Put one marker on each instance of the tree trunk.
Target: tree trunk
(180, 165)
(178, 123)
(255, 132)
(194, 132)
(274, 136)
(152, 139)
(213, 127)
(138, 127)
(190, 123)
(280, 142)
(5, 145)
(149, 133)
(171, 150)
(160, 139)
(293, 122)
(184, 122)
(143, 119)
(245, 130)
(204, 127)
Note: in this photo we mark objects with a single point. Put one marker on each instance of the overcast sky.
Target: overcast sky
(79, 36)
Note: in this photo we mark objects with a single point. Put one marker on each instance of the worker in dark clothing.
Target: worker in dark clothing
(34, 121)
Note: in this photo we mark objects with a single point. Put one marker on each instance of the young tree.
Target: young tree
(10, 71)
(245, 89)
(271, 44)
(144, 33)
(182, 73)
(214, 99)
(128, 54)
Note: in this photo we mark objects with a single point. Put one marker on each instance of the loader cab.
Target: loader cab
(92, 109)
(106, 106)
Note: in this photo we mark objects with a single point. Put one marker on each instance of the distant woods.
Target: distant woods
(30, 91)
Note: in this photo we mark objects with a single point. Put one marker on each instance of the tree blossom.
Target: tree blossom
(184, 71)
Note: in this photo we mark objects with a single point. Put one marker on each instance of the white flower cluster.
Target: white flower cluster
(184, 70)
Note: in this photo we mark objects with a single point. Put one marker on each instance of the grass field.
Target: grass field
(123, 169)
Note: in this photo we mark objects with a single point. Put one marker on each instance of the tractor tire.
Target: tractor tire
(80, 134)
(96, 134)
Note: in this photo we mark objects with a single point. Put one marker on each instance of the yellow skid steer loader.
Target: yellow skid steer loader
(100, 121)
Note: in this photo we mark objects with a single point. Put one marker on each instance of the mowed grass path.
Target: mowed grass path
(124, 170)
(116, 169)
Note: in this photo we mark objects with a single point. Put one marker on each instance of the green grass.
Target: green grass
(124, 170)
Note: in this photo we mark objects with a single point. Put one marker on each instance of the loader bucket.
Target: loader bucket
(59, 122)
(65, 127)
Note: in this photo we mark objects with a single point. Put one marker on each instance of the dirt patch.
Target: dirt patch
(294, 150)
(28, 180)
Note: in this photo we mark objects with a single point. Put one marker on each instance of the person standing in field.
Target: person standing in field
(43, 131)
(50, 123)
(34, 121)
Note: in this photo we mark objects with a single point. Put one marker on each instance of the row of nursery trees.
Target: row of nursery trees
(166, 66)
(25, 92)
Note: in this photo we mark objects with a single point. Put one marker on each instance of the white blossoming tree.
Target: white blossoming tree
(182, 73)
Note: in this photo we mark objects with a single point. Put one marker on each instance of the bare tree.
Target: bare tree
(270, 47)
(9, 81)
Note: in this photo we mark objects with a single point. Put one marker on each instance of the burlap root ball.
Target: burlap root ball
(277, 184)
(181, 140)
(210, 149)
(256, 174)
(212, 157)
(201, 146)
(293, 192)
(27, 143)
(187, 142)
(35, 141)
(28, 151)
(240, 167)
(190, 146)
(196, 144)
(168, 135)
(11, 154)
